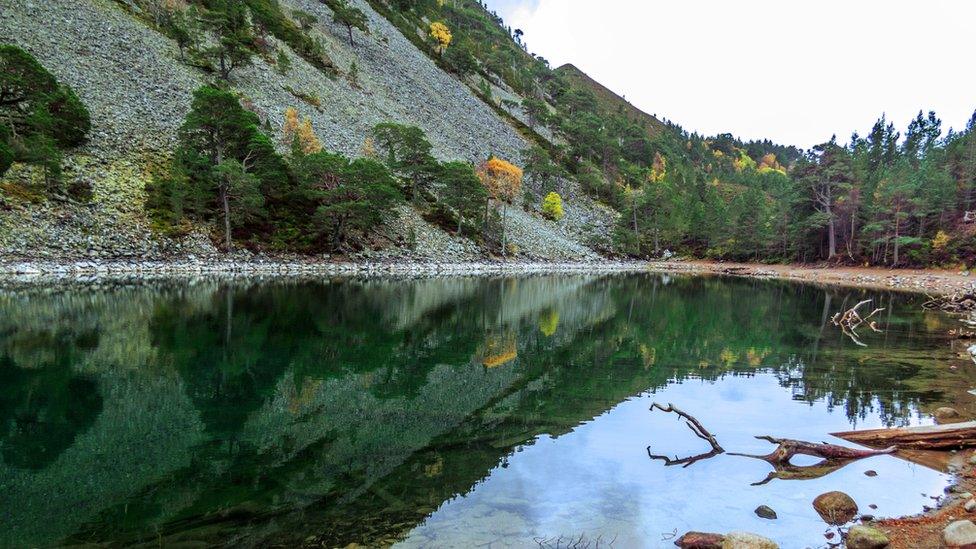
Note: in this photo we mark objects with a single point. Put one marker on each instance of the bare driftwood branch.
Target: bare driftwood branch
(697, 428)
(834, 457)
(928, 437)
(693, 424)
(683, 462)
(850, 320)
(960, 302)
(787, 448)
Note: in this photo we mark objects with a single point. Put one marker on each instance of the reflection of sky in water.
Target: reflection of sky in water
(598, 480)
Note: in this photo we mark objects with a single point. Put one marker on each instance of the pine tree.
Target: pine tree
(462, 190)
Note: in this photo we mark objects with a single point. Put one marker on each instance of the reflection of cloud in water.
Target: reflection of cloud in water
(308, 407)
(597, 479)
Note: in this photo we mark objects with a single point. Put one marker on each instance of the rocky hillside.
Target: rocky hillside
(131, 78)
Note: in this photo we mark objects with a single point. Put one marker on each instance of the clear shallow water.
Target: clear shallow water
(448, 413)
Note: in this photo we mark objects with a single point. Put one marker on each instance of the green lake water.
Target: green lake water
(454, 412)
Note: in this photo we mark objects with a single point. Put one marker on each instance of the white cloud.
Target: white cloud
(793, 71)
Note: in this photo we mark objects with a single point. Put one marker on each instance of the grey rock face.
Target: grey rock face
(138, 91)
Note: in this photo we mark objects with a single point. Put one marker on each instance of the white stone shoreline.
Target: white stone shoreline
(96, 270)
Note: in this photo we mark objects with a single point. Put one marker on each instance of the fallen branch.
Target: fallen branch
(850, 320)
(928, 437)
(684, 462)
(787, 448)
(953, 303)
(697, 428)
(693, 424)
(834, 457)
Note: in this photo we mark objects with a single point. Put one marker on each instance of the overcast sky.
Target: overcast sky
(795, 71)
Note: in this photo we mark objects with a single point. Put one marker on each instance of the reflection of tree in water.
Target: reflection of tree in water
(582, 346)
(44, 404)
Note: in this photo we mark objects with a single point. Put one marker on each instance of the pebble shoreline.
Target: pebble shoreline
(94, 270)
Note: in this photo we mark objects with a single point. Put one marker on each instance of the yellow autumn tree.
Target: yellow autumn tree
(768, 163)
(744, 162)
(368, 149)
(299, 133)
(441, 35)
(658, 169)
(552, 206)
(503, 180)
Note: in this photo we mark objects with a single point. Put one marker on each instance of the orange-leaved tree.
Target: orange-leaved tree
(298, 134)
(504, 182)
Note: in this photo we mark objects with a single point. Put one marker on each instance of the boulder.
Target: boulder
(700, 540)
(766, 512)
(835, 507)
(970, 506)
(946, 415)
(745, 540)
(961, 533)
(865, 537)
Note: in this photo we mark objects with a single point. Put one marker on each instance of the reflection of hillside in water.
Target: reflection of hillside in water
(369, 402)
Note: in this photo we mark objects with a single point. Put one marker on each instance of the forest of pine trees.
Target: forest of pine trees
(896, 196)
(891, 197)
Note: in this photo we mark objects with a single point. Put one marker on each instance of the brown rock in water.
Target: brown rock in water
(947, 415)
(835, 507)
(700, 540)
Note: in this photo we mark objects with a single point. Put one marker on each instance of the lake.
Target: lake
(447, 412)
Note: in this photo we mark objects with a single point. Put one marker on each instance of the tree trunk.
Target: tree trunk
(831, 237)
(504, 235)
(895, 262)
(225, 203)
(484, 222)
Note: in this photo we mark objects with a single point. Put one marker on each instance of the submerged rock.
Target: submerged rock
(835, 507)
(746, 540)
(961, 533)
(766, 512)
(700, 540)
(865, 537)
(970, 506)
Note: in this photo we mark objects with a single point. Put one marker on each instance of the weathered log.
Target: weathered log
(928, 437)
